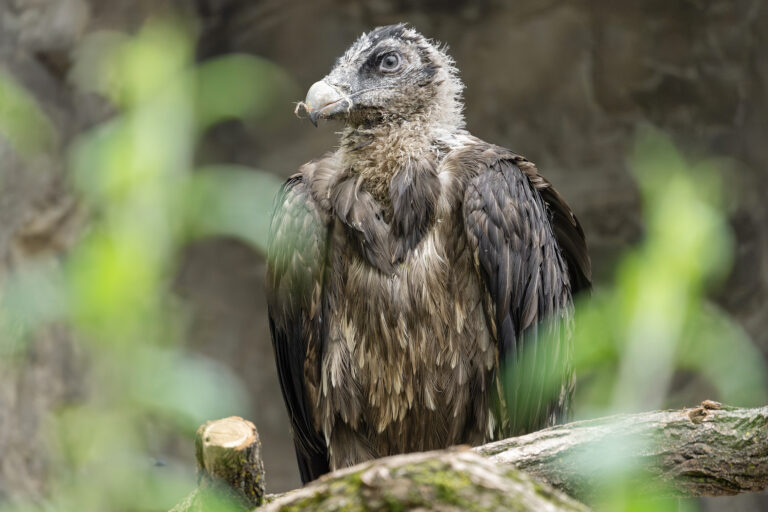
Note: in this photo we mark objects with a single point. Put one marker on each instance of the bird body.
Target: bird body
(410, 267)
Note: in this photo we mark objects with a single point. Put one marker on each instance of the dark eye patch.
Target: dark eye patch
(371, 64)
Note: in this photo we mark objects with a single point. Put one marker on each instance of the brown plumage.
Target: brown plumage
(420, 280)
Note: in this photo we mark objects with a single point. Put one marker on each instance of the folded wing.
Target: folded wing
(530, 254)
(296, 262)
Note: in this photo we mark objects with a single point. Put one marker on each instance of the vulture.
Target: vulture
(420, 281)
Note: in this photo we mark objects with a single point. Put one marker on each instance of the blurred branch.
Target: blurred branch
(709, 450)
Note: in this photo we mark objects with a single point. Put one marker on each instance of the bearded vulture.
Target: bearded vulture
(420, 280)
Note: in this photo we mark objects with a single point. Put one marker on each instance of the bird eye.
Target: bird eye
(390, 62)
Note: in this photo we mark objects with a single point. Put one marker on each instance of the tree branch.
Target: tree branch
(708, 450)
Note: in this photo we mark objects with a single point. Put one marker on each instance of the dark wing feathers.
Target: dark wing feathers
(566, 227)
(295, 272)
(515, 221)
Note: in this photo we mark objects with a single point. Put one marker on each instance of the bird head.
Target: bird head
(390, 74)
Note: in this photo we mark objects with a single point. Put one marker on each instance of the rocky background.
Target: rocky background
(566, 83)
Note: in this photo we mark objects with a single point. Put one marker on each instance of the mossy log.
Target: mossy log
(710, 450)
(448, 480)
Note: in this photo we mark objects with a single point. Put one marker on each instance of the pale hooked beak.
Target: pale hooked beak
(323, 101)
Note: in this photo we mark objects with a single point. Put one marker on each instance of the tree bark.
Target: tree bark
(708, 450)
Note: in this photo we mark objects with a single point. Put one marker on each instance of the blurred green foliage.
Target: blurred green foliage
(654, 321)
(22, 121)
(135, 175)
(655, 318)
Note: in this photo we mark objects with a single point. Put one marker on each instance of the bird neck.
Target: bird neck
(377, 152)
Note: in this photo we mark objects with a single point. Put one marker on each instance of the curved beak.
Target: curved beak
(323, 101)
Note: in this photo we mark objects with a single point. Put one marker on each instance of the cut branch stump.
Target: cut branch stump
(230, 468)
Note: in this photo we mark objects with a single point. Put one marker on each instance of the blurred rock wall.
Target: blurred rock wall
(565, 83)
